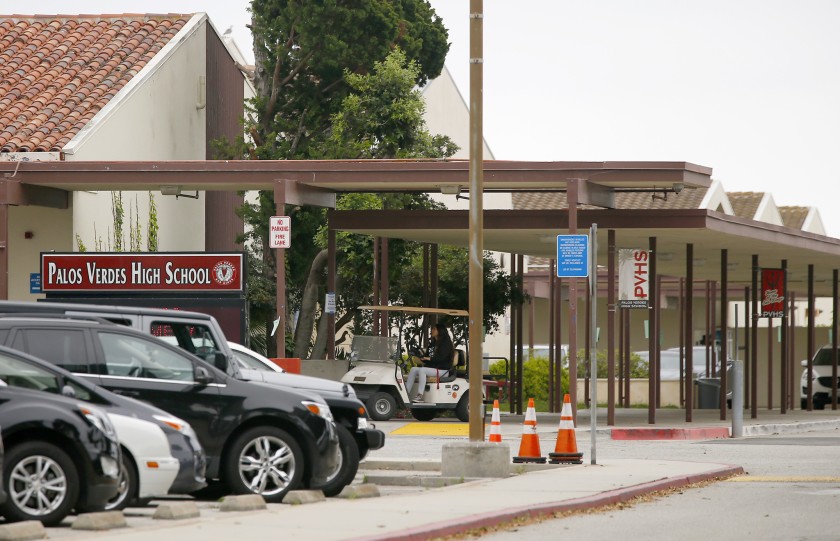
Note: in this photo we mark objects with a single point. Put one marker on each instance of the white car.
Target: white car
(148, 446)
(821, 383)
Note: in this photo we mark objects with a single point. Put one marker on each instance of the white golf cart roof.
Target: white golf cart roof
(417, 310)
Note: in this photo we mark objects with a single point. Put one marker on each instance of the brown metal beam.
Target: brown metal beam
(610, 327)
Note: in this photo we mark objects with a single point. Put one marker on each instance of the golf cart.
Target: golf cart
(376, 373)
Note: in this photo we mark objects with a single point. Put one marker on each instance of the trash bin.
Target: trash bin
(708, 393)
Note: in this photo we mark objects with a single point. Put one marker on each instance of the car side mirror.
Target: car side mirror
(804, 362)
(68, 391)
(202, 376)
(220, 361)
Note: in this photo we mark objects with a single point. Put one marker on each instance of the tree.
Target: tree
(304, 52)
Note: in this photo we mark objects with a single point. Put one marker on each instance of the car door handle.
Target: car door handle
(126, 392)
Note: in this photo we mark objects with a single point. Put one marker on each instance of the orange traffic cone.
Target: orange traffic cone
(565, 451)
(529, 448)
(496, 424)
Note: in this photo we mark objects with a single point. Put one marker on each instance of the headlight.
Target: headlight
(97, 418)
(321, 410)
(363, 423)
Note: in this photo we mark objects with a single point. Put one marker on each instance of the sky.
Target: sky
(750, 88)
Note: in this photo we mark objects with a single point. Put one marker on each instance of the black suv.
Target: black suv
(258, 438)
(59, 454)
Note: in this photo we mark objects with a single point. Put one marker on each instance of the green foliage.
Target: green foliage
(80, 245)
(152, 241)
(638, 366)
(534, 377)
(118, 214)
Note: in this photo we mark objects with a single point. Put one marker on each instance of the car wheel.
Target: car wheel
(348, 463)
(41, 483)
(264, 460)
(462, 410)
(381, 406)
(424, 414)
(127, 485)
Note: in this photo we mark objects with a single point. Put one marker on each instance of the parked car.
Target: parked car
(201, 335)
(821, 373)
(258, 438)
(669, 362)
(60, 454)
(157, 448)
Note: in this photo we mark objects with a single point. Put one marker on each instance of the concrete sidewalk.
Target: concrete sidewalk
(430, 513)
(442, 511)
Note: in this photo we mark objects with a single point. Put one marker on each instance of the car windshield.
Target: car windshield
(823, 357)
(249, 363)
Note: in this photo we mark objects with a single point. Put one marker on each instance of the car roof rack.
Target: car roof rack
(51, 315)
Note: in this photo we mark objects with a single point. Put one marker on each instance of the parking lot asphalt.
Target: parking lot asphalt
(433, 512)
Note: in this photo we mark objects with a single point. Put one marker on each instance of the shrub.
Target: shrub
(534, 377)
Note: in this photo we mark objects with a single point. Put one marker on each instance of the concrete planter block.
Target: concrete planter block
(475, 459)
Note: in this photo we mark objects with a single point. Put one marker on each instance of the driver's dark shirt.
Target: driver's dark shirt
(440, 356)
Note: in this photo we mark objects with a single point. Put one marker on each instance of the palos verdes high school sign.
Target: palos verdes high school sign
(126, 272)
(633, 278)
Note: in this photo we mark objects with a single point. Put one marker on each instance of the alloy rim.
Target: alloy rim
(37, 485)
(266, 465)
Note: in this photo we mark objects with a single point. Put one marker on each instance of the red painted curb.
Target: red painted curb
(699, 433)
(485, 520)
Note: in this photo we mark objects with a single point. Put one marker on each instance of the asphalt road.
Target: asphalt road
(791, 491)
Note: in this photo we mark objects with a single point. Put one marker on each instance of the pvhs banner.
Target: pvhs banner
(633, 278)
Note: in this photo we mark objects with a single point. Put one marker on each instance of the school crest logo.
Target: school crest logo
(224, 273)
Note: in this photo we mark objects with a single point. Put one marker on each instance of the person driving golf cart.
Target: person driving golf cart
(437, 360)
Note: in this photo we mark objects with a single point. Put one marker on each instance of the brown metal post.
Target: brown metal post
(834, 339)
(586, 352)
(551, 344)
(708, 322)
(769, 363)
(754, 337)
(376, 272)
(657, 310)
(279, 270)
(385, 285)
(558, 333)
(792, 355)
(724, 329)
(331, 268)
(621, 356)
(610, 327)
(520, 351)
(514, 307)
(689, 324)
(627, 318)
(681, 310)
(572, 187)
(783, 347)
(748, 312)
(652, 310)
(433, 277)
(810, 337)
(4, 250)
(713, 298)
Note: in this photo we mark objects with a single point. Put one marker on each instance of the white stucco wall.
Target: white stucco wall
(155, 117)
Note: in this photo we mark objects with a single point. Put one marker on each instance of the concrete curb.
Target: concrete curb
(22, 531)
(301, 497)
(486, 520)
(243, 502)
(176, 511)
(103, 520)
(790, 428)
(698, 433)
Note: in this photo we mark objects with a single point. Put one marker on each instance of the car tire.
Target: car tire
(264, 460)
(381, 406)
(57, 469)
(348, 463)
(462, 410)
(424, 414)
(128, 484)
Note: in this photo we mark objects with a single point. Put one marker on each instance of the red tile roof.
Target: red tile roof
(58, 71)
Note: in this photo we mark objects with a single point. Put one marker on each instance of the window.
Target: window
(133, 356)
(249, 363)
(64, 347)
(17, 373)
(197, 339)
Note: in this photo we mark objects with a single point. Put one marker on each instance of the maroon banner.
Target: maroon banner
(168, 272)
(772, 293)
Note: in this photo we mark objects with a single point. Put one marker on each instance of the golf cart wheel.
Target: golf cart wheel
(381, 406)
(462, 410)
(348, 463)
(424, 414)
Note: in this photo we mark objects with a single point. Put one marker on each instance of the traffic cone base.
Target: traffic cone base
(565, 451)
(529, 448)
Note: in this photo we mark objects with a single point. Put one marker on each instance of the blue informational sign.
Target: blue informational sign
(572, 256)
(34, 282)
